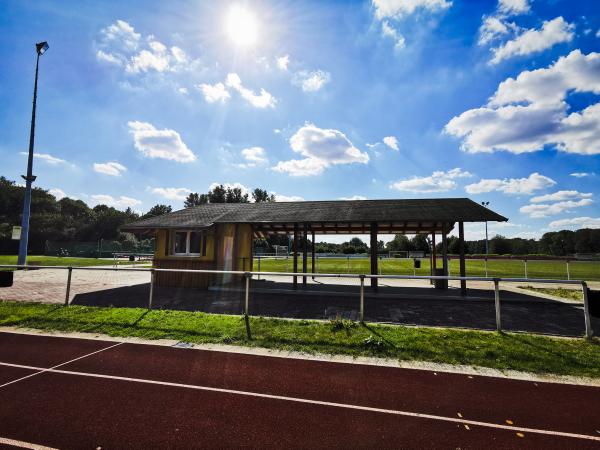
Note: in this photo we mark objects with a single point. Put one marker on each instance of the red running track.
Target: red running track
(78, 393)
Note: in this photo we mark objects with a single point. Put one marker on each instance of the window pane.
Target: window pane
(196, 242)
(180, 238)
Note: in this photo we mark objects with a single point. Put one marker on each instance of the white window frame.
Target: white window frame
(187, 242)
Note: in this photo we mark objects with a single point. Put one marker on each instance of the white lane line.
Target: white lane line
(319, 402)
(42, 370)
(22, 444)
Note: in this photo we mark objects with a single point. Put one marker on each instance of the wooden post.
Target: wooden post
(461, 247)
(295, 255)
(374, 254)
(305, 255)
(433, 255)
(312, 254)
(444, 251)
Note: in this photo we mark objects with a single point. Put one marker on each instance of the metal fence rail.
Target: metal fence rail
(248, 275)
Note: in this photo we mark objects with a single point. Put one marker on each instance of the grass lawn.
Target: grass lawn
(397, 266)
(60, 261)
(539, 354)
(571, 294)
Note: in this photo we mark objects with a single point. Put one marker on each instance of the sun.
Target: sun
(241, 26)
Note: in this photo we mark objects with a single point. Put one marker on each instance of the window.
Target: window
(189, 243)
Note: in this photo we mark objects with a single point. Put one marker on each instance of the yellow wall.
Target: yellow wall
(162, 243)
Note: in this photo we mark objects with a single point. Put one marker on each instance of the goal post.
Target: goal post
(398, 254)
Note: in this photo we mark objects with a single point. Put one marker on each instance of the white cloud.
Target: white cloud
(533, 41)
(513, 6)
(493, 28)
(287, 198)
(579, 222)
(391, 142)
(121, 202)
(58, 193)
(321, 148)
(529, 112)
(171, 193)
(516, 186)
(282, 62)
(560, 196)
(311, 81)
(262, 100)
(354, 197)
(388, 31)
(582, 174)
(399, 8)
(254, 156)
(110, 168)
(46, 157)
(598, 34)
(540, 210)
(438, 181)
(214, 92)
(108, 58)
(155, 143)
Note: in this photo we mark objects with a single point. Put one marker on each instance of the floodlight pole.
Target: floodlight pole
(29, 178)
(485, 204)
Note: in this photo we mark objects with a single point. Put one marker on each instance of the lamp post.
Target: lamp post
(40, 48)
(485, 204)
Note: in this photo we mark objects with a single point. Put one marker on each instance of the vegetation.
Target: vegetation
(221, 194)
(571, 294)
(503, 351)
(579, 270)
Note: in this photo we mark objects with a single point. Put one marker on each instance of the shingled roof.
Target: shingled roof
(352, 215)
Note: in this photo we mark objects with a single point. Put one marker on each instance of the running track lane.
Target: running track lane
(111, 399)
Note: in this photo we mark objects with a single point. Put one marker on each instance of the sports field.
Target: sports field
(42, 260)
(583, 270)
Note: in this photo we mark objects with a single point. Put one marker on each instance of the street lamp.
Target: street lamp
(40, 49)
(485, 204)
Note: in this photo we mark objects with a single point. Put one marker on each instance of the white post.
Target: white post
(151, 289)
(362, 298)
(247, 294)
(259, 265)
(497, 304)
(486, 271)
(68, 287)
(525, 261)
(568, 271)
(589, 332)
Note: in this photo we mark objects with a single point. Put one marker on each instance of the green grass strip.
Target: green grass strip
(517, 351)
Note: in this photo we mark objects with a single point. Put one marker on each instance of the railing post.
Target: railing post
(246, 302)
(362, 298)
(586, 311)
(68, 294)
(568, 271)
(258, 266)
(486, 271)
(151, 289)
(348, 260)
(525, 261)
(497, 304)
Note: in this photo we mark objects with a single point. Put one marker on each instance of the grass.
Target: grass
(60, 261)
(531, 353)
(571, 294)
(584, 270)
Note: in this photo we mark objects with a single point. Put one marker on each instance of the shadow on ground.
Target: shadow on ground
(401, 305)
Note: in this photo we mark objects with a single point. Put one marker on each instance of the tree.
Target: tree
(419, 243)
(217, 195)
(157, 210)
(235, 195)
(261, 195)
(195, 199)
(400, 243)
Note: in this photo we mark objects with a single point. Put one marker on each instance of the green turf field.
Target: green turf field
(397, 266)
(60, 261)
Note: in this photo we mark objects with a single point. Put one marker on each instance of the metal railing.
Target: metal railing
(361, 277)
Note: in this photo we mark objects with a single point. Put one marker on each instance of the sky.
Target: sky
(142, 102)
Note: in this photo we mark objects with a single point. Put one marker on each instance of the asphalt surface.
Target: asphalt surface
(77, 393)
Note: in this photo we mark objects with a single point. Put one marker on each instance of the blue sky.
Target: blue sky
(143, 102)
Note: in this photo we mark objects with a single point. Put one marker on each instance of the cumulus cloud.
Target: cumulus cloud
(110, 168)
(534, 41)
(214, 92)
(46, 157)
(582, 174)
(540, 210)
(516, 186)
(311, 81)
(58, 193)
(438, 181)
(399, 8)
(391, 142)
(170, 193)
(513, 6)
(560, 196)
(164, 144)
(262, 100)
(254, 156)
(287, 198)
(354, 197)
(244, 189)
(493, 28)
(282, 62)
(321, 148)
(121, 45)
(529, 112)
(388, 31)
(576, 222)
(121, 202)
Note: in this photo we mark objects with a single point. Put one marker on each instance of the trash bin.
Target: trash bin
(6, 278)
(440, 284)
(594, 302)
(131, 258)
(417, 263)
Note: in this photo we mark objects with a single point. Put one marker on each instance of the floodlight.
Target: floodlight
(41, 47)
